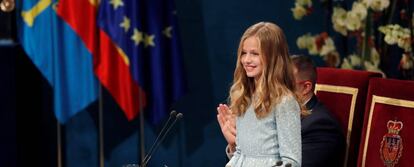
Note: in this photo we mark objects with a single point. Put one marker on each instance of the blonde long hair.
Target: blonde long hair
(276, 79)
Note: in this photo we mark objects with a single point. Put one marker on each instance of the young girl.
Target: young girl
(262, 98)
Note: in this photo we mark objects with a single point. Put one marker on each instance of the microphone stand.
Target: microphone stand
(163, 135)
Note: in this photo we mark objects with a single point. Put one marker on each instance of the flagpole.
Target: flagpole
(59, 144)
(101, 131)
(141, 127)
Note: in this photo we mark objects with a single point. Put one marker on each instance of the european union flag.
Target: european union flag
(146, 33)
(60, 56)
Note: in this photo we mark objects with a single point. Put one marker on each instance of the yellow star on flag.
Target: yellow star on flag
(149, 40)
(126, 23)
(167, 32)
(116, 3)
(137, 36)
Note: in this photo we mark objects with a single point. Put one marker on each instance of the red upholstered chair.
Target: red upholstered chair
(343, 92)
(388, 132)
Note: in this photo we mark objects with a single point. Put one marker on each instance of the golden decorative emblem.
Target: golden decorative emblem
(391, 144)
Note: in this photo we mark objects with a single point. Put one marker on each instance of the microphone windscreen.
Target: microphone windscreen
(173, 113)
(279, 163)
(179, 116)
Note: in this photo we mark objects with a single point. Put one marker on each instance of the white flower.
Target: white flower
(366, 2)
(391, 40)
(351, 61)
(313, 49)
(298, 12)
(341, 29)
(378, 5)
(312, 43)
(338, 20)
(339, 16)
(405, 33)
(384, 29)
(305, 41)
(328, 47)
(405, 44)
(373, 64)
(307, 3)
(355, 60)
(346, 64)
(352, 21)
(300, 8)
(371, 67)
(360, 10)
(395, 34)
(406, 62)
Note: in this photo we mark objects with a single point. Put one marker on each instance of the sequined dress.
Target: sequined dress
(263, 142)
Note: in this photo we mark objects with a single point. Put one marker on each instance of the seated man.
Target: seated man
(323, 143)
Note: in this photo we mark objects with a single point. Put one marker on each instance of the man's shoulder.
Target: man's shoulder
(320, 117)
(319, 111)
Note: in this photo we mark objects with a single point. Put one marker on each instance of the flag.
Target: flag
(57, 51)
(137, 55)
(110, 65)
(147, 32)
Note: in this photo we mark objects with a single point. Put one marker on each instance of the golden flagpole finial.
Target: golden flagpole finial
(7, 5)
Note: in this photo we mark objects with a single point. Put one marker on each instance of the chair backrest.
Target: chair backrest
(343, 92)
(387, 137)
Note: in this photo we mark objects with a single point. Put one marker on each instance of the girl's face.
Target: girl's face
(251, 57)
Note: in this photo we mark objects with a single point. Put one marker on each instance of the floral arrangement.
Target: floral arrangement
(302, 8)
(363, 22)
(395, 34)
(322, 45)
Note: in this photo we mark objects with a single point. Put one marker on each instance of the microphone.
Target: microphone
(279, 163)
(163, 135)
(173, 113)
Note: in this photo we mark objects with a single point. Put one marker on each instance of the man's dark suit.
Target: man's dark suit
(323, 142)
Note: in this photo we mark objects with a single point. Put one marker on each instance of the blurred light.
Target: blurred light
(7, 5)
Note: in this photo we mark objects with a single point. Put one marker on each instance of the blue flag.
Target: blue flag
(146, 32)
(59, 54)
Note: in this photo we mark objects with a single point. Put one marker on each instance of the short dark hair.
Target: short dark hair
(306, 67)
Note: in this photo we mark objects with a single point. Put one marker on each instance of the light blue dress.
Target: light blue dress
(263, 142)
